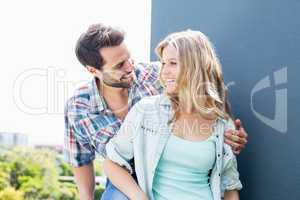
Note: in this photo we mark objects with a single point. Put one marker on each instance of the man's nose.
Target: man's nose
(129, 65)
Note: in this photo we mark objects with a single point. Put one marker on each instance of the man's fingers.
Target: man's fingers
(238, 123)
(237, 152)
(238, 139)
(235, 146)
(236, 136)
(229, 133)
(242, 133)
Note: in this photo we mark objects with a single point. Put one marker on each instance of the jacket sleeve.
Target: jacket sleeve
(230, 175)
(120, 147)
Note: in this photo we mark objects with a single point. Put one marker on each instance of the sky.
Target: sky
(39, 69)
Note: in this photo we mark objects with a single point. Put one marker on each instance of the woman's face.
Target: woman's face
(170, 68)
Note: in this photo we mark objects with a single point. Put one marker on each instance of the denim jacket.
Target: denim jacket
(144, 134)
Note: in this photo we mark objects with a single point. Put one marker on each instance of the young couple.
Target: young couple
(160, 126)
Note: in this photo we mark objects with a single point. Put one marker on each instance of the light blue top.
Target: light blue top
(146, 131)
(183, 170)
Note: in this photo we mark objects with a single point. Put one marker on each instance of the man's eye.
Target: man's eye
(173, 63)
(118, 66)
(163, 63)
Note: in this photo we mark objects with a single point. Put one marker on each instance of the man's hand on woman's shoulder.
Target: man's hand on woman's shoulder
(238, 138)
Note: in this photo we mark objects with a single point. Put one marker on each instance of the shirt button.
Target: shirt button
(218, 155)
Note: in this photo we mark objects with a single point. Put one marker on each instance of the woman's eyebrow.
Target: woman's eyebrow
(171, 59)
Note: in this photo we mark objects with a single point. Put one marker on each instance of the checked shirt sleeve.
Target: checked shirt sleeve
(78, 146)
(149, 75)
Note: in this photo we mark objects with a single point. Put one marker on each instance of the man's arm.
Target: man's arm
(85, 181)
(78, 149)
(121, 179)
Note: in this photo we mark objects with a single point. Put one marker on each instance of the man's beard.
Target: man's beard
(119, 84)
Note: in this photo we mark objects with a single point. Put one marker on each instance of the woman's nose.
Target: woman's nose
(166, 70)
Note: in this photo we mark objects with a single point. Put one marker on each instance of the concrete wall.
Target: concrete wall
(258, 43)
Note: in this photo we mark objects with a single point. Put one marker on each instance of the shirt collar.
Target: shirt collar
(97, 100)
(165, 104)
(164, 100)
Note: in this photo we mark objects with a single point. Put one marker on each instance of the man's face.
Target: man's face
(118, 70)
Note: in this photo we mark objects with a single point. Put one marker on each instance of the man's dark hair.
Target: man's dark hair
(96, 37)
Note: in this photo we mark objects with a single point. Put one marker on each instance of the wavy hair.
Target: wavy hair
(200, 86)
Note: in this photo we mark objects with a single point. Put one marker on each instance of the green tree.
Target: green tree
(68, 191)
(10, 193)
(98, 192)
(64, 168)
(4, 176)
(33, 174)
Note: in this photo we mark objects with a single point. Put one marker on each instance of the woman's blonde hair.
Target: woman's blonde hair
(199, 86)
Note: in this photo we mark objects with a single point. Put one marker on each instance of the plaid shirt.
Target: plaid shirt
(90, 124)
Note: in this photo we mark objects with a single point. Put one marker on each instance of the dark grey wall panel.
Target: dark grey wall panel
(258, 43)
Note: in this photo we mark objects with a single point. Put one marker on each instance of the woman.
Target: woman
(176, 138)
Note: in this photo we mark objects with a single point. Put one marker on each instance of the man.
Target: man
(95, 112)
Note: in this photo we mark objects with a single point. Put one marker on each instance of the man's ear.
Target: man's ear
(92, 70)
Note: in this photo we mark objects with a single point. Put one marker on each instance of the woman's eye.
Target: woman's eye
(173, 63)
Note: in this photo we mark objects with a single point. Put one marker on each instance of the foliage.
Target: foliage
(10, 193)
(98, 192)
(33, 174)
(4, 175)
